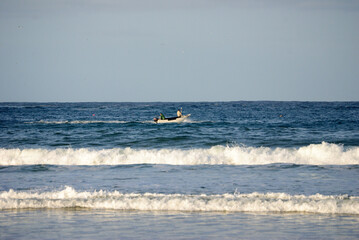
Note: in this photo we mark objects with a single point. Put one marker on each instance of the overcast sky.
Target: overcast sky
(179, 50)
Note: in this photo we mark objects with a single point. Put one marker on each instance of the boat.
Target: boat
(172, 119)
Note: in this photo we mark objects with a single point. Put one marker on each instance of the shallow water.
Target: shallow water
(109, 224)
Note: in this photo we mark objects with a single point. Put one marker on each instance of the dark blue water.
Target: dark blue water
(258, 164)
(112, 125)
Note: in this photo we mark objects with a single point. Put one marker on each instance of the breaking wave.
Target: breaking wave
(98, 121)
(314, 154)
(75, 122)
(254, 202)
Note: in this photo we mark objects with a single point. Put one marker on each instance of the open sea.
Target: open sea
(233, 170)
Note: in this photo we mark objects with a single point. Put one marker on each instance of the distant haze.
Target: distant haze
(180, 50)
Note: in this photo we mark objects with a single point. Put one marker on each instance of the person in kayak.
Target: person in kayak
(162, 116)
(179, 113)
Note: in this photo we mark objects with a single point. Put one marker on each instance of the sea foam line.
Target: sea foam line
(314, 154)
(95, 121)
(76, 122)
(253, 202)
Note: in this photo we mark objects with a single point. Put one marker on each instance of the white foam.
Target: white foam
(75, 122)
(99, 121)
(254, 202)
(314, 154)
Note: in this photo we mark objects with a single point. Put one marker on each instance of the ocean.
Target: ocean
(233, 170)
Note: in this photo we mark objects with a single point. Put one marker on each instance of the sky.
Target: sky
(179, 50)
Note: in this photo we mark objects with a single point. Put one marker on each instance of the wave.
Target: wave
(98, 121)
(75, 122)
(253, 202)
(314, 154)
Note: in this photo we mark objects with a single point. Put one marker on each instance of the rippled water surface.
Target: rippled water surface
(232, 170)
